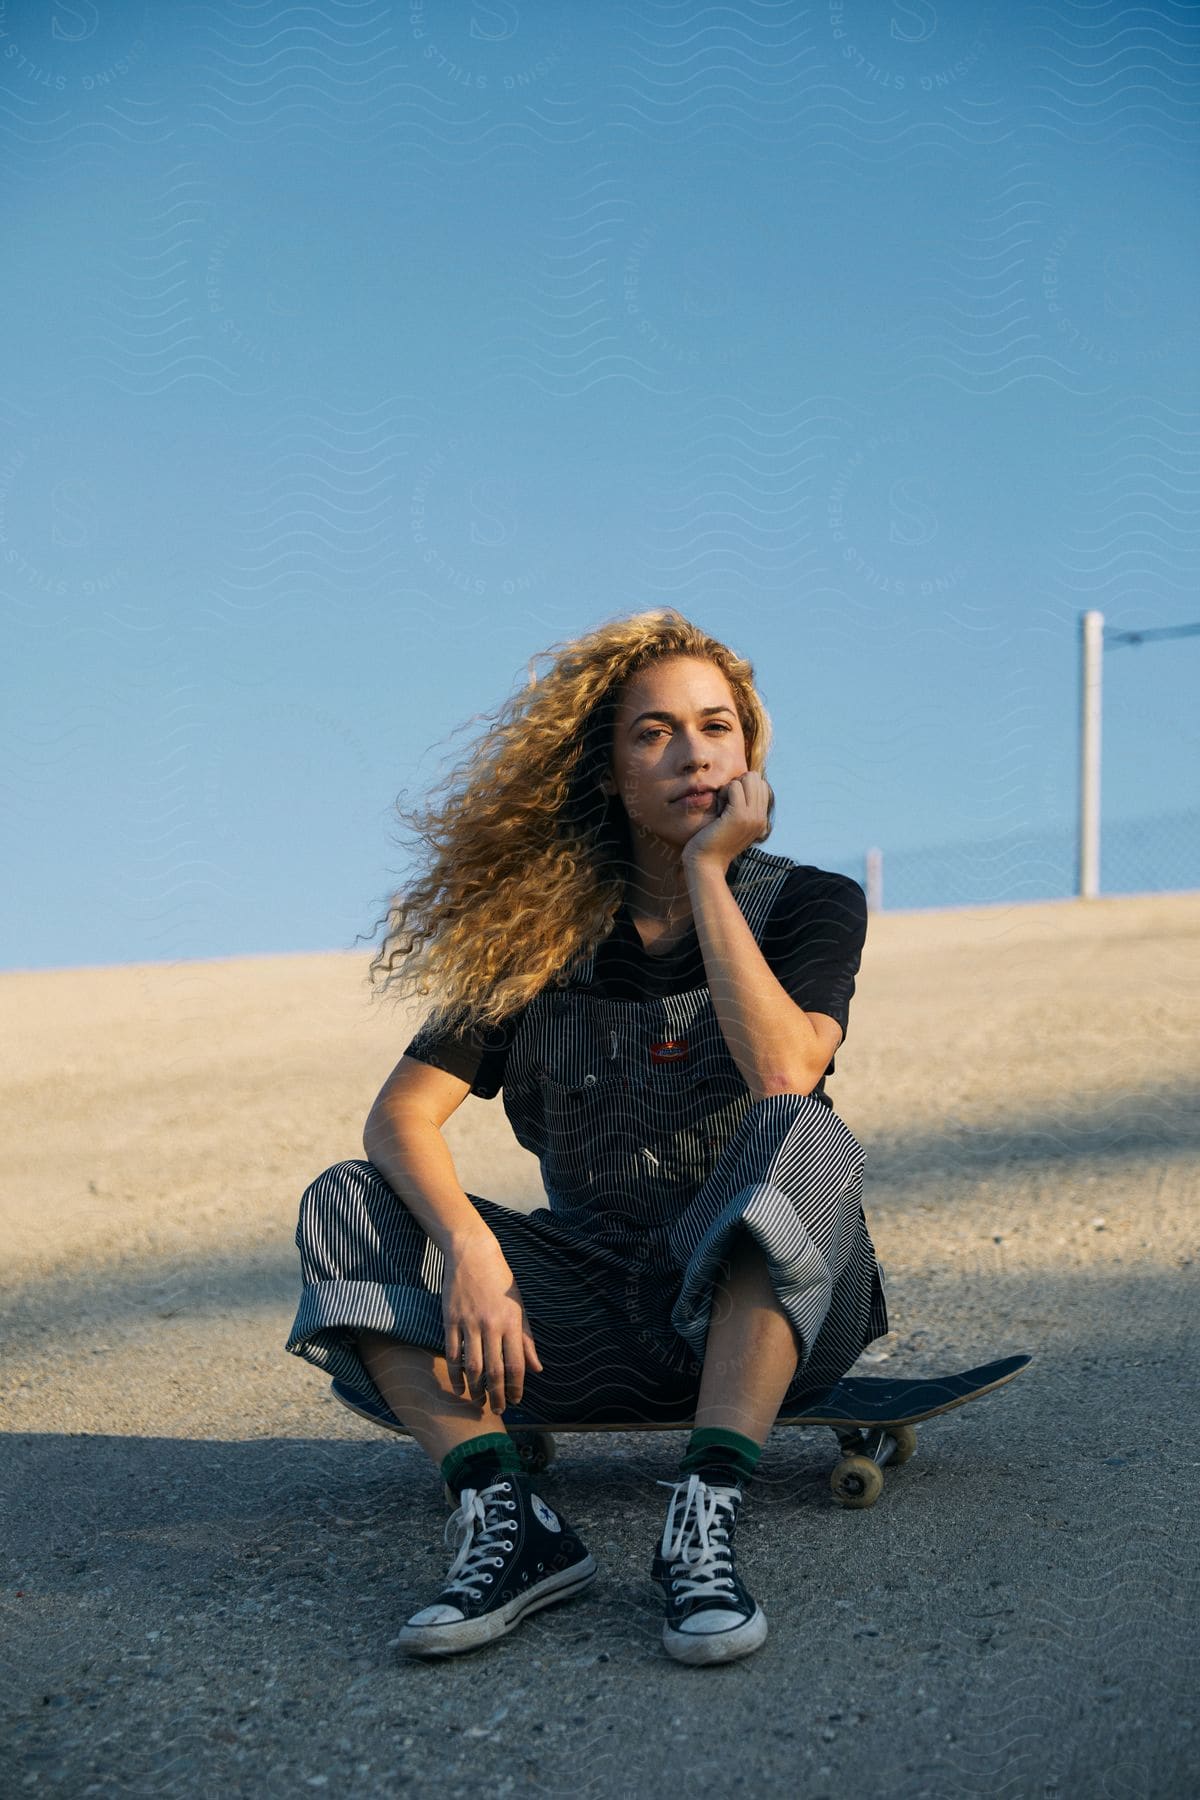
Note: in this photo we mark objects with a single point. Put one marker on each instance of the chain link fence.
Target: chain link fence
(1158, 853)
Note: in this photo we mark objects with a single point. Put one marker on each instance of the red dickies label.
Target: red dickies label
(669, 1050)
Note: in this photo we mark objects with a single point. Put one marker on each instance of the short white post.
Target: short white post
(874, 881)
(1091, 661)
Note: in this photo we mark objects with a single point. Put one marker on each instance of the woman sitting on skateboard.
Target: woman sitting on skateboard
(659, 1001)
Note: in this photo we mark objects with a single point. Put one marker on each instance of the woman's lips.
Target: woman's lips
(694, 800)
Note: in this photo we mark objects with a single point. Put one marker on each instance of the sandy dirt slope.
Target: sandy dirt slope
(206, 1555)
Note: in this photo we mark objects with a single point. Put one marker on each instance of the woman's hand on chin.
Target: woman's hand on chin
(741, 820)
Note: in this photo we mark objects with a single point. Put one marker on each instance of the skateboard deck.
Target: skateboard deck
(873, 1418)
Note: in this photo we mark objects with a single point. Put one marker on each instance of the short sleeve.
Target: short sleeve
(814, 938)
(477, 1056)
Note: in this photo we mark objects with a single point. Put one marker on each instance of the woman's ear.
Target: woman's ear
(608, 785)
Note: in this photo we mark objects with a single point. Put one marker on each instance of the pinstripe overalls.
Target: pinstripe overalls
(653, 1155)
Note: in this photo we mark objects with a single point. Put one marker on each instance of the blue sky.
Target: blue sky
(354, 354)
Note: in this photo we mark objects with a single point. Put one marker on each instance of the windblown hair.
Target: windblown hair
(526, 858)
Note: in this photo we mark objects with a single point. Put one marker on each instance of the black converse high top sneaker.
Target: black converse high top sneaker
(515, 1554)
(709, 1615)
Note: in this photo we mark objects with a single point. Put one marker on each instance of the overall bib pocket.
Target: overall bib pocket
(586, 1127)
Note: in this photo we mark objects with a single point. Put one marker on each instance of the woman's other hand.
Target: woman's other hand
(488, 1341)
(741, 819)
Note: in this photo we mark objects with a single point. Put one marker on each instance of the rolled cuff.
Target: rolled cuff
(332, 1312)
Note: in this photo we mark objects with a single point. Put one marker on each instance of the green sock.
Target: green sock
(714, 1450)
(492, 1453)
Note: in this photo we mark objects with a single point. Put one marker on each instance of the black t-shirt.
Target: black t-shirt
(812, 942)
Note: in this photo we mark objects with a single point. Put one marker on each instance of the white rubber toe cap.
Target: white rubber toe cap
(438, 1615)
(717, 1620)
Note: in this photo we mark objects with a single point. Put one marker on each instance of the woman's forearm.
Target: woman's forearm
(770, 1038)
(414, 1159)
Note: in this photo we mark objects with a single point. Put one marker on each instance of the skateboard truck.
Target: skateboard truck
(858, 1477)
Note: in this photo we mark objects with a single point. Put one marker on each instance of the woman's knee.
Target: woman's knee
(353, 1226)
(344, 1189)
(818, 1141)
(338, 1178)
(324, 1197)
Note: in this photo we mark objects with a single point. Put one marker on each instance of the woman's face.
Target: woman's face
(676, 728)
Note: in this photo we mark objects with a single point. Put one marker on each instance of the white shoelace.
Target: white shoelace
(699, 1549)
(476, 1553)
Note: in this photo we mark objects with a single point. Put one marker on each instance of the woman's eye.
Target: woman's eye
(653, 731)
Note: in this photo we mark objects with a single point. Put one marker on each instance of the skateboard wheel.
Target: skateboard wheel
(905, 1440)
(536, 1449)
(857, 1481)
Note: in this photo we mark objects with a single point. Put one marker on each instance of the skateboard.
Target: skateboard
(872, 1418)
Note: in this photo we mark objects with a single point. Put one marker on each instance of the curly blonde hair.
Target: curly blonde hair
(526, 857)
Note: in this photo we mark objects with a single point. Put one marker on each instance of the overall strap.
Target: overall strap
(757, 880)
(580, 974)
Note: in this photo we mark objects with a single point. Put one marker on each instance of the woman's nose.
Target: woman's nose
(696, 756)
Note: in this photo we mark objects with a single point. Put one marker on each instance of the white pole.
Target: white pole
(874, 881)
(1092, 646)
